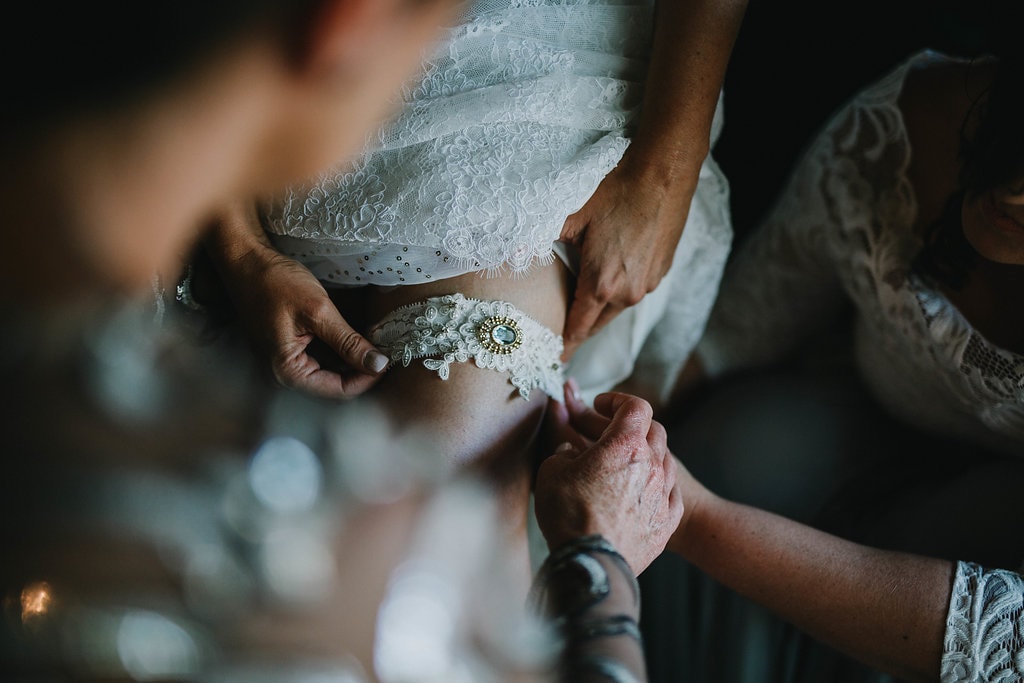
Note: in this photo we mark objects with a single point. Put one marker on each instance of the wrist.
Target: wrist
(592, 598)
(664, 163)
(237, 237)
(578, 574)
(700, 509)
(237, 251)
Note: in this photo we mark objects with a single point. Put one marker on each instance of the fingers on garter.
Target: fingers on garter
(630, 422)
(588, 422)
(559, 428)
(356, 350)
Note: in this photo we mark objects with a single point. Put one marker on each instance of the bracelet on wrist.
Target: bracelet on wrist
(183, 291)
(582, 577)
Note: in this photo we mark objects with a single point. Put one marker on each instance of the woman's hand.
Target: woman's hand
(308, 342)
(613, 475)
(290, 319)
(626, 235)
(627, 232)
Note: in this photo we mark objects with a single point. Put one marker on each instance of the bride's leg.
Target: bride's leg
(477, 416)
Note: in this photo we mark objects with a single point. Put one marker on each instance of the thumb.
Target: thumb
(354, 349)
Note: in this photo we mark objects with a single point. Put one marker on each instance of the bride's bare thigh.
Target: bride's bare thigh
(477, 416)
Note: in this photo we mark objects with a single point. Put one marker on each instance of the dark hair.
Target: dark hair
(992, 154)
(60, 58)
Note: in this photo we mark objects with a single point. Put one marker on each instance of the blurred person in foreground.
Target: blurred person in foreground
(166, 518)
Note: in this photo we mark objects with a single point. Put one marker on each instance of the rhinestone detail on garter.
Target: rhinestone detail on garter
(495, 334)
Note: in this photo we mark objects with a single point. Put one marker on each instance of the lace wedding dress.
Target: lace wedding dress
(842, 232)
(520, 112)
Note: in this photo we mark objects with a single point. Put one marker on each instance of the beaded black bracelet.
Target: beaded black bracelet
(606, 627)
(586, 578)
(608, 669)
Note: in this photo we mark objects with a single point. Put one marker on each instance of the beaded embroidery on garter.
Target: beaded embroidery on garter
(495, 334)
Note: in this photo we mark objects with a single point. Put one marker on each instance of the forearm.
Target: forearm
(884, 608)
(591, 595)
(693, 42)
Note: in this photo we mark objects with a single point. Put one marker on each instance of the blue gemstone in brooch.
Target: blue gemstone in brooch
(500, 334)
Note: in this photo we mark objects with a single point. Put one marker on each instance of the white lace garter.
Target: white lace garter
(497, 335)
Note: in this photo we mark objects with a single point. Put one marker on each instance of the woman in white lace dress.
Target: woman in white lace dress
(539, 175)
(905, 213)
(871, 216)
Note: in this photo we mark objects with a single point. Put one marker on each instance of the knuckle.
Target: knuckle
(657, 433)
(638, 407)
(349, 343)
(321, 309)
(655, 280)
(670, 474)
(603, 292)
(283, 374)
(658, 439)
(634, 295)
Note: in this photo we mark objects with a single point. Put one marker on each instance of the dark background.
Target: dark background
(796, 61)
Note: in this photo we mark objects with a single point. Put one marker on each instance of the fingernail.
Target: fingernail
(375, 361)
(574, 389)
(564, 446)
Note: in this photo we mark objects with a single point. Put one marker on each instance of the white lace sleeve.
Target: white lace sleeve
(819, 242)
(985, 626)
